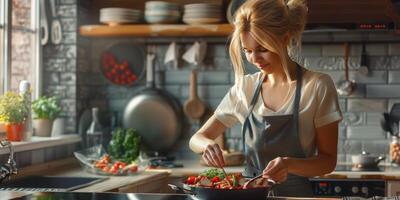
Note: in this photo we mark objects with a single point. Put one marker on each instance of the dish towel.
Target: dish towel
(172, 55)
(196, 53)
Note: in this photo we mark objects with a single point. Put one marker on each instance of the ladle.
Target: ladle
(346, 87)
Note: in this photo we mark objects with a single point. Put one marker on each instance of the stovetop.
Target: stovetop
(351, 168)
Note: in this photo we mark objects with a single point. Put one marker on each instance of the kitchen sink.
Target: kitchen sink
(49, 183)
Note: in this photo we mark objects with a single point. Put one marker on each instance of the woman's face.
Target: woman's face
(262, 58)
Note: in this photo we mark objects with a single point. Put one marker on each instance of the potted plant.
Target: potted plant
(45, 110)
(13, 113)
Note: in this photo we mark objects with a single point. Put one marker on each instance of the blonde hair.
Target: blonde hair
(267, 21)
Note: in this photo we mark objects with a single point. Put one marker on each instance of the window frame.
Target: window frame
(5, 51)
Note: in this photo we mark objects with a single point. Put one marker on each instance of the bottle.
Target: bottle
(395, 150)
(25, 92)
(94, 134)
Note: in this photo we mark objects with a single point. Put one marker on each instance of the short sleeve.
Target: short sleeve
(328, 109)
(228, 109)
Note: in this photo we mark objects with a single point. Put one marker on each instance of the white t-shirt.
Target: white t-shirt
(318, 105)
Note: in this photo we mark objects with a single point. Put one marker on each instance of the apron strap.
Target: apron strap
(296, 102)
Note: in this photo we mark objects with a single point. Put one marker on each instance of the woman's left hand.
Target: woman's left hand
(276, 170)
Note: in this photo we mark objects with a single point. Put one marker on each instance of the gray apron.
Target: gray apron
(267, 137)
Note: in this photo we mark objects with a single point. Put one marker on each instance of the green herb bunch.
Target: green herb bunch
(46, 108)
(124, 145)
(13, 108)
(213, 172)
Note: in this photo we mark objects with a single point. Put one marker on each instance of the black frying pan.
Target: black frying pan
(224, 194)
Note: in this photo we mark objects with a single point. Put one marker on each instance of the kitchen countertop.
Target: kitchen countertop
(192, 167)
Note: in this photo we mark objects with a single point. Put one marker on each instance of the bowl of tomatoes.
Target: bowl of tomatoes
(96, 160)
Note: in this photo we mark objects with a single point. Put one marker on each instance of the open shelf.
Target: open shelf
(164, 30)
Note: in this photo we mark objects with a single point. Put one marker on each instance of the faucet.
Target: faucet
(9, 168)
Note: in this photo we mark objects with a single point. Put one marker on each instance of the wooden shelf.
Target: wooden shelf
(142, 30)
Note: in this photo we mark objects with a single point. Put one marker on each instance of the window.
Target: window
(19, 44)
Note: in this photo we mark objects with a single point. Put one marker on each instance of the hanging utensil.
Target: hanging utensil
(364, 68)
(386, 123)
(194, 108)
(44, 27)
(346, 87)
(56, 28)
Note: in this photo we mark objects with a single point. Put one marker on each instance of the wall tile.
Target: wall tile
(380, 49)
(312, 50)
(177, 77)
(366, 105)
(374, 76)
(395, 62)
(379, 62)
(383, 91)
(353, 118)
(374, 118)
(376, 147)
(213, 77)
(333, 50)
(394, 49)
(394, 77)
(365, 133)
(352, 146)
(210, 91)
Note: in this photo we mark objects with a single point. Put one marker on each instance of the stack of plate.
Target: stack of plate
(115, 16)
(202, 13)
(161, 12)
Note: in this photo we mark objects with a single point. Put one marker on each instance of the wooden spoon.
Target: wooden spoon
(194, 108)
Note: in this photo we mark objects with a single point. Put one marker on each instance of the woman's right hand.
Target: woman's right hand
(213, 156)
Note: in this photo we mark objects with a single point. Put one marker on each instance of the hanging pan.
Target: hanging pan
(155, 113)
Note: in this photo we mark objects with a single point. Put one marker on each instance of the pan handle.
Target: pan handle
(180, 189)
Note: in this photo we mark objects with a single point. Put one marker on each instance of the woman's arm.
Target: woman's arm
(206, 134)
(203, 141)
(324, 162)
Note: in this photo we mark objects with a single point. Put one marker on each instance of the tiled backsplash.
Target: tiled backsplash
(77, 78)
(360, 129)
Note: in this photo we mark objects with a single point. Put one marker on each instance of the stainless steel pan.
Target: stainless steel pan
(155, 113)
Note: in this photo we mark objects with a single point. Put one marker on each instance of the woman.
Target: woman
(289, 114)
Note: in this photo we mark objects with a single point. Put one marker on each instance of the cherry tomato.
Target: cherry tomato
(191, 180)
(215, 179)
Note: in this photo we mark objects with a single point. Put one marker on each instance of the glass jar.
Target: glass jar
(395, 150)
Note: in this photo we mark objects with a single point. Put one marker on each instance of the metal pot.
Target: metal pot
(366, 160)
(231, 194)
(156, 115)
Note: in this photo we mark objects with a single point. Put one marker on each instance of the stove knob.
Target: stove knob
(355, 189)
(364, 190)
(337, 189)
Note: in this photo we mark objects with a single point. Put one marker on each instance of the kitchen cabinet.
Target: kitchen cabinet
(161, 30)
